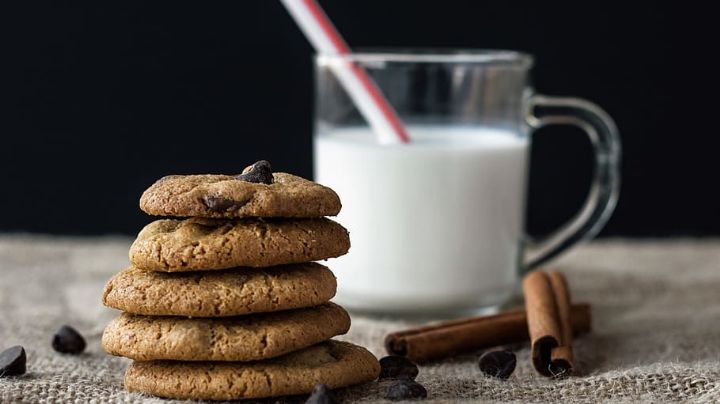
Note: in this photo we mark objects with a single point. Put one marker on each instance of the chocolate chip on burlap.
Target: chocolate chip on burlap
(500, 364)
(68, 340)
(394, 367)
(13, 361)
(405, 389)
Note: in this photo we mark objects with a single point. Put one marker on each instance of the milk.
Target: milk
(435, 225)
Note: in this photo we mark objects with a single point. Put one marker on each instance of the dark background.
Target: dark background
(99, 99)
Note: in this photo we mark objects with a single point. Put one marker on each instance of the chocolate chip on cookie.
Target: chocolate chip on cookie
(218, 203)
(260, 172)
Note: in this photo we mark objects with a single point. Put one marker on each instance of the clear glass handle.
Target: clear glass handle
(543, 111)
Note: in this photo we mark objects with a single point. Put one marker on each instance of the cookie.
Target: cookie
(222, 293)
(198, 244)
(244, 338)
(225, 196)
(334, 363)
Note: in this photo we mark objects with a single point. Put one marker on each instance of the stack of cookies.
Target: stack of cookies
(226, 302)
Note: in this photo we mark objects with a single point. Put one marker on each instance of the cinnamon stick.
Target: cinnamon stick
(452, 337)
(549, 322)
(561, 357)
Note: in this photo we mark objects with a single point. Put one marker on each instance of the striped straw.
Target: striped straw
(322, 34)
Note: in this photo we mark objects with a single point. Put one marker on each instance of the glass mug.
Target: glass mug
(436, 225)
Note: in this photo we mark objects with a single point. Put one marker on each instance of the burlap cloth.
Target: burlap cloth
(656, 338)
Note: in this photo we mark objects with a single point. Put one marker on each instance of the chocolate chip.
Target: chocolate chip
(321, 395)
(13, 361)
(260, 172)
(405, 389)
(67, 340)
(218, 203)
(500, 364)
(394, 367)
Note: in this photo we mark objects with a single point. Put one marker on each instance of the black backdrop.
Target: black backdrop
(101, 98)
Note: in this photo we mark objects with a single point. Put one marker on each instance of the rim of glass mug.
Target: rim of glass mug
(500, 57)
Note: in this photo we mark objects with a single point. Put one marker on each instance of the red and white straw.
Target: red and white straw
(362, 89)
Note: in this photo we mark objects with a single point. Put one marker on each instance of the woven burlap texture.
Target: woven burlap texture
(656, 307)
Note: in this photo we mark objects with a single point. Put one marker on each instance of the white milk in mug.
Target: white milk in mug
(435, 225)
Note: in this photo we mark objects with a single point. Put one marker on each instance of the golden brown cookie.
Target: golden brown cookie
(334, 363)
(225, 196)
(244, 338)
(204, 244)
(222, 293)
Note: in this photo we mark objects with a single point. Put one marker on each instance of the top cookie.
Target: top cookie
(226, 196)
